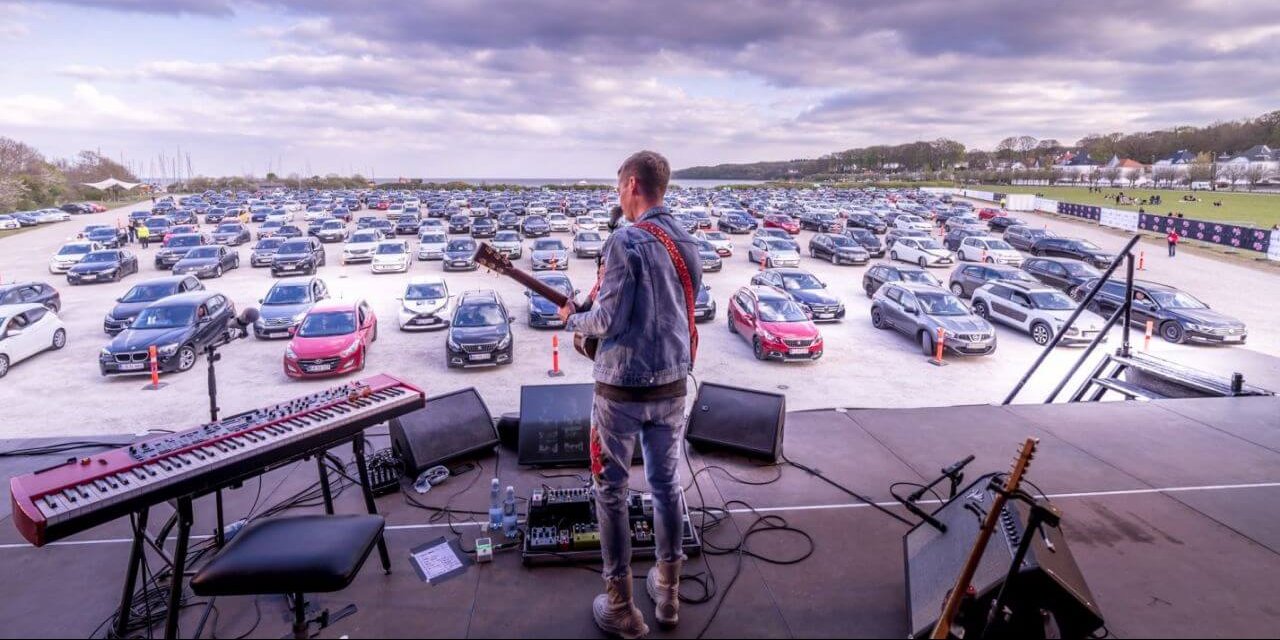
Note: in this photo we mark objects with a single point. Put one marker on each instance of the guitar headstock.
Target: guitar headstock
(1020, 464)
(492, 260)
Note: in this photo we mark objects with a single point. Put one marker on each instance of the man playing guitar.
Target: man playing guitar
(643, 317)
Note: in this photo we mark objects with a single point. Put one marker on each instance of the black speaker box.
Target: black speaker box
(745, 421)
(1048, 579)
(450, 426)
(555, 425)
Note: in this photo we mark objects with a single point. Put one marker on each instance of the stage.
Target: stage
(1171, 508)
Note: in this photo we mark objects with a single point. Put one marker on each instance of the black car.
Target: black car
(1175, 315)
(508, 221)
(107, 237)
(1000, 223)
(142, 294)
(967, 278)
(289, 231)
(216, 215)
(232, 234)
(736, 223)
(208, 262)
(101, 266)
(882, 272)
(837, 248)
(177, 246)
(299, 255)
(1060, 273)
(407, 225)
(822, 222)
(868, 221)
(460, 255)
(704, 307)
(179, 327)
(479, 332)
(535, 227)
(1023, 237)
(1074, 248)
(460, 223)
(285, 305)
(805, 289)
(483, 228)
(31, 293)
(544, 313)
(867, 239)
(264, 251)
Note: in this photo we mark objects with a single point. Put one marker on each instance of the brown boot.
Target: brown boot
(663, 585)
(615, 613)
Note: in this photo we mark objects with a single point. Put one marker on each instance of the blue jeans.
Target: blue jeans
(614, 428)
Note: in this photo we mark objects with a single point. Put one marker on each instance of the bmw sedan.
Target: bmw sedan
(179, 327)
(142, 294)
(101, 266)
(207, 262)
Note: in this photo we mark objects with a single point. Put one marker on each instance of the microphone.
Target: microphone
(614, 216)
(949, 471)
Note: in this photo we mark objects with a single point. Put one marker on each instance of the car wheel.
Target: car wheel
(732, 329)
(926, 343)
(957, 289)
(893, 255)
(980, 309)
(1037, 252)
(51, 306)
(217, 273)
(1041, 334)
(991, 260)
(4, 365)
(186, 358)
(364, 355)
(870, 290)
(1173, 332)
(757, 349)
(877, 318)
(922, 262)
(59, 339)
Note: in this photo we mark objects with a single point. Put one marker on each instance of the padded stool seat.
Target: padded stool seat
(297, 554)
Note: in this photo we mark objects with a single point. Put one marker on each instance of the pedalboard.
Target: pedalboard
(562, 527)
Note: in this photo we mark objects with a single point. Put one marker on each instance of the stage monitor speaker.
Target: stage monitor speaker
(448, 427)
(746, 421)
(1048, 581)
(555, 425)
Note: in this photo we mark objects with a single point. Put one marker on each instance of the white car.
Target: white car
(537, 211)
(391, 256)
(559, 222)
(720, 240)
(912, 223)
(70, 254)
(774, 252)
(991, 250)
(584, 223)
(25, 330)
(315, 214)
(280, 216)
(9, 222)
(360, 246)
(1039, 310)
(425, 304)
(925, 252)
(44, 216)
(432, 224)
(431, 245)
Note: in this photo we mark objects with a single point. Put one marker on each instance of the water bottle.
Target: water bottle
(495, 507)
(509, 513)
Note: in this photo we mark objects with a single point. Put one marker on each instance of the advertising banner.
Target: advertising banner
(1085, 211)
(1119, 219)
(1021, 202)
(1229, 235)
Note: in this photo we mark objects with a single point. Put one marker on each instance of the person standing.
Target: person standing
(643, 316)
(144, 235)
(1173, 239)
(133, 231)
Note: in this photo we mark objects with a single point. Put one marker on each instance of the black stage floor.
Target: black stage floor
(1172, 509)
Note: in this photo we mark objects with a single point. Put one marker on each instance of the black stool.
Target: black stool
(292, 556)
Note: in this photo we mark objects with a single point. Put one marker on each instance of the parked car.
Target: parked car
(588, 244)
(544, 313)
(584, 223)
(775, 325)
(177, 246)
(479, 332)
(508, 221)
(208, 262)
(101, 266)
(142, 294)
(460, 223)
(1176, 316)
(391, 256)
(431, 245)
(956, 236)
(707, 255)
(407, 224)
(534, 226)
(925, 252)
(718, 239)
(269, 229)
(286, 304)
(332, 339)
(26, 330)
(559, 222)
(867, 240)
(1000, 223)
(869, 221)
(31, 292)
(549, 253)
(264, 251)
(179, 326)
(806, 289)
(838, 248)
(1060, 273)
(1022, 237)
(360, 246)
(919, 311)
(460, 254)
(912, 223)
(782, 221)
(895, 234)
(71, 253)
(1036, 310)
(1074, 248)
(966, 278)
(773, 252)
(425, 304)
(989, 250)
(822, 222)
(483, 228)
(988, 213)
(733, 222)
(332, 231)
(232, 234)
(106, 236)
(704, 306)
(881, 272)
(299, 255)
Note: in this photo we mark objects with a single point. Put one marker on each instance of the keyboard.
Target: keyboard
(81, 493)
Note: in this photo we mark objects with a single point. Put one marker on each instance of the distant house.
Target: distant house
(1260, 157)
(891, 166)
(1076, 165)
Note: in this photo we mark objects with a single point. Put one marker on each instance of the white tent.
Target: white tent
(112, 182)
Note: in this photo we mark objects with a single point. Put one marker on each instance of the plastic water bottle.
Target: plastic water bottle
(495, 506)
(509, 513)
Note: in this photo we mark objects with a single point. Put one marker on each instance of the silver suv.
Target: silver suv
(1036, 309)
(919, 310)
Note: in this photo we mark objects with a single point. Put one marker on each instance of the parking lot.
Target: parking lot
(62, 392)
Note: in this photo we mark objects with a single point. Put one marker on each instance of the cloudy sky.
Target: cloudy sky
(565, 89)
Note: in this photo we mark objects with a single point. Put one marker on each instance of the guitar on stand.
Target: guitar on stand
(947, 626)
(498, 263)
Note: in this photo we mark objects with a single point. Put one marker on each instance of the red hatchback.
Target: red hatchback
(784, 222)
(776, 327)
(332, 339)
(989, 213)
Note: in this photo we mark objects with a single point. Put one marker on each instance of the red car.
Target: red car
(776, 327)
(784, 222)
(989, 213)
(332, 339)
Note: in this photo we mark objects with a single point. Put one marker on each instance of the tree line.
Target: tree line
(29, 180)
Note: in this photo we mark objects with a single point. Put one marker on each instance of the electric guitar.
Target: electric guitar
(943, 629)
(498, 263)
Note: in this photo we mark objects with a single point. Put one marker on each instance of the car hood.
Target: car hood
(459, 255)
(93, 267)
(791, 330)
(124, 310)
(1206, 317)
(813, 296)
(542, 305)
(472, 335)
(963, 324)
(549, 254)
(326, 347)
(358, 246)
(390, 257)
(136, 339)
(292, 256)
(273, 311)
(431, 305)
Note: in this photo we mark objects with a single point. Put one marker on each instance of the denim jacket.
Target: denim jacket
(640, 313)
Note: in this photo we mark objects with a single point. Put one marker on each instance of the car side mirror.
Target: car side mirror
(292, 331)
(260, 300)
(911, 310)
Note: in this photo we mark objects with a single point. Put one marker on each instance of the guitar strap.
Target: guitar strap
(685, 280)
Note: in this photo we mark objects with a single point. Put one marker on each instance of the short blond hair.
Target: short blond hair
(651, 171)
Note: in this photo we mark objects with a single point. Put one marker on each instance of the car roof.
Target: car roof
(916, 287)
(163, 280)
(766, 292)
(479, 295)
(334, 304)
(426, 280)
(1023, 285)
(182, 299)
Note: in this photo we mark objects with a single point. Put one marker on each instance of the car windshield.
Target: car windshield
(269, 243)
(434, 238)
(716, 235)
(328, 323)
(184, 241)
(149, 292)
(1177, 300)
(1085, 244)
(920, 276)
(781, 311)
(288, 294)
(461, 245)
(504, 236)
(74, 250)
(203, 252)
(861, 234)
(548, 245)
(165, 317)
(560, 284)
(1080, 269)
(1051, 300)
(478, 315)
(589, 237)
(229, 228)
(780, 245)
(102, 233)
(333, 224)
(796, 281)
(425, 291)
(941, 304)
(100, 256)
(929, 243)
(365, 238)
(295, 247)
(391, 248)
(999, 245)
(841, 241)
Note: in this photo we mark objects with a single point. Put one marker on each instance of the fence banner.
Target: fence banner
(1088, 212)
(1021, 202)
(1273, 252)
(950, 191)
(1045, 204)
(979, 195)
(1127, 220)
(1229, 235)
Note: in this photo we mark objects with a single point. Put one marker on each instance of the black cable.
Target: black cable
(61, 447)
(817, 474)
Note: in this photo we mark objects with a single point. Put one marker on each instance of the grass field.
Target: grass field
(1257, 209)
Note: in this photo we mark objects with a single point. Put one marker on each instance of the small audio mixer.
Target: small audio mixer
(562, 526)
